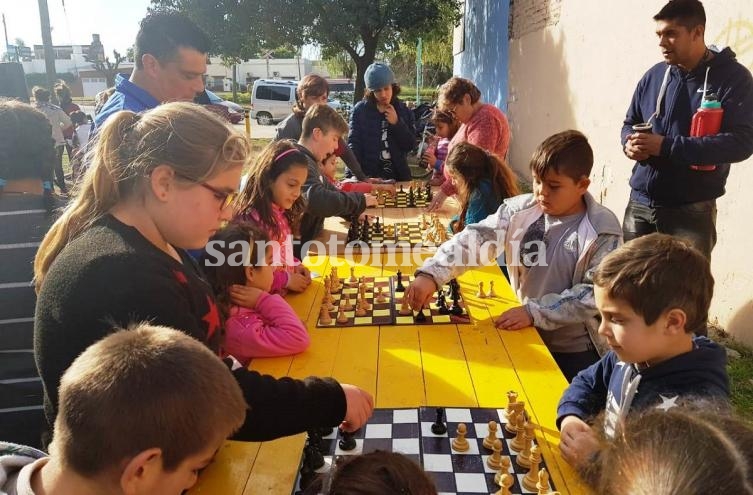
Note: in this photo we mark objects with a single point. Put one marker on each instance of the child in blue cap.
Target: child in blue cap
(382, 128)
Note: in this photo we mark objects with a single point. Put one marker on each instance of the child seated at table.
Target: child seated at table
(142, 411)
(552, 241)
(483, 181)
(238, 263)
(375, 473)
(271, 199)
(329, 172)
(446, 127)
(683, 449)
(650, 309)
(322, 129)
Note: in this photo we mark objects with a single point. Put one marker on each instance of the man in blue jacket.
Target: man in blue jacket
(670, 193)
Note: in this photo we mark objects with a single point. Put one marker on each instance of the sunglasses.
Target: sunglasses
(225, 198)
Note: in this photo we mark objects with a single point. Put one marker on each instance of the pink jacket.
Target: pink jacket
(270, 329)
(488, 129)
(283, 257)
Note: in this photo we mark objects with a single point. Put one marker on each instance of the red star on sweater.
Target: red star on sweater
(212, 318)
(180, 277)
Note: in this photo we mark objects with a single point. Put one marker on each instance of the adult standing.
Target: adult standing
(171, 59)
(26, 213)
(677, 178)
(313, 90)
(60, 122)
(63, 93)
(483, 125)
(382, 127)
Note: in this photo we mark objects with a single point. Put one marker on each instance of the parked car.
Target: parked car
(272, 100)
(231, 111)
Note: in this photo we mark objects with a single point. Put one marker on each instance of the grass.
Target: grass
(740, 371)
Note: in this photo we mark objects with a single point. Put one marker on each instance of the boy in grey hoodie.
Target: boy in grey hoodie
(553, 239)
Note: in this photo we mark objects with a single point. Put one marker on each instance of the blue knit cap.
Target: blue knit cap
(378, 75)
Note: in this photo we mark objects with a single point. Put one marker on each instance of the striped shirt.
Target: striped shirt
(23, 223)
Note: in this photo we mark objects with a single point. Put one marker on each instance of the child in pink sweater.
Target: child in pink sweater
(271, 200)
(257, 323)
(329, 171)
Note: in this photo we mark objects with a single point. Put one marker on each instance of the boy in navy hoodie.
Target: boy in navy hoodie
(653, 294)
(669, 193)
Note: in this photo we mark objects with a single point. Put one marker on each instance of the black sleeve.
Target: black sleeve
(325, 200)
(352, 162)
(286, 406)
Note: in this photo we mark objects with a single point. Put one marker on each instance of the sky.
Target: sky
(116, 21)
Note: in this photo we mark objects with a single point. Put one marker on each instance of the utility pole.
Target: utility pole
(5, 29)
(419, 70)
(49, 54)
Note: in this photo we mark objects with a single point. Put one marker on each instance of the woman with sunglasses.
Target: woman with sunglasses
(160, 183)
(483, 125)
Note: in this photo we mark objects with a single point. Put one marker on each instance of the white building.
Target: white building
(220, 77)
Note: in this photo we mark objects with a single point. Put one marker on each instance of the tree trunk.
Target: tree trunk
(49, 54)
(362, 63)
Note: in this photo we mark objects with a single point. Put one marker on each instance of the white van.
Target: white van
(272, 100)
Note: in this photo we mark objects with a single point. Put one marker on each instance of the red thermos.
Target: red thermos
(707, 121)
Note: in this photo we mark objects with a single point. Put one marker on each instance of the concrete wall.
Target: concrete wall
(484, 58)
(577, 68)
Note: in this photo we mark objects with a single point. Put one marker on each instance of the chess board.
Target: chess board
(406, 234)
(408, 431)
(387, 312)
(400, 199)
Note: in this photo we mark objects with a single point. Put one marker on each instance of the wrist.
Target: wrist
(420, 273)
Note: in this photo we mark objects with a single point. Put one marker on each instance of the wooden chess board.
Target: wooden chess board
(408, 431)
(398, 234)
(401, 199)
(388, 312)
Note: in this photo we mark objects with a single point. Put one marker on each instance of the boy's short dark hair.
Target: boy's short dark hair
(324, 117)
(142, 388)
(688, 13)
(26, 143)
(162, 33)
(41, 94)
(656, 273)
(566, 153)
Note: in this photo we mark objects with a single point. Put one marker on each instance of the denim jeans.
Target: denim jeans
(694, 222)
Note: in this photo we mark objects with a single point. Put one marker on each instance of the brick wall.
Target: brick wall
(527, 16)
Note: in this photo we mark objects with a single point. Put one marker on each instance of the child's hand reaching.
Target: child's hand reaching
(243, 295)
(370, 200)
(514, 319)
(359, 405)
(303, 271)
(578, 442)
(430, 159)
(298, 282)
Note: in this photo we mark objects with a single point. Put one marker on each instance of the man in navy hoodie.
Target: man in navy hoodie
(669, 193)
(650, 311)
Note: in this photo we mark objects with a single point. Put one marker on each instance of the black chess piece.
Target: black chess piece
(442, 303)
(420, 317)
(377, 226)
(401, 188)
(348, 441)
(313, 455)
(411, 198)
(308, 476)
(365, 235)
(438, 427)
(429, 196)
(400, 287)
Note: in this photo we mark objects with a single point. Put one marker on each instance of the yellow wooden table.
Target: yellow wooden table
(405, 366)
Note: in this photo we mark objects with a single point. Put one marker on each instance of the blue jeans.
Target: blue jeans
(694, 222)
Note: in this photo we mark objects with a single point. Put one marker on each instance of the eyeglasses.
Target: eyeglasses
(451, 111)
(225, 198)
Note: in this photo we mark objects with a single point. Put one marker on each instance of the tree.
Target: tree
(359, 28)
(105, 67)
(339, 63)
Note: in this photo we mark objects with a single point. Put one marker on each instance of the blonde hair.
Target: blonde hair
(190, 139)
(141, 388)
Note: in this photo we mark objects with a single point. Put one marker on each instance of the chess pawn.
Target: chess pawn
(495, 460)
(349, 303)
(524, 458)
(380, 295)
(531, 479)
(341, 316)
(491, 292)
(543, 484)
(492, 436)
(330, 301)
(365, 302)
(324, 316)
(505, 481)
(352, 278)
(505, 464)
(481, 294)
(460, 443)
(518, 443)
(360, 309)
(405, 309)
